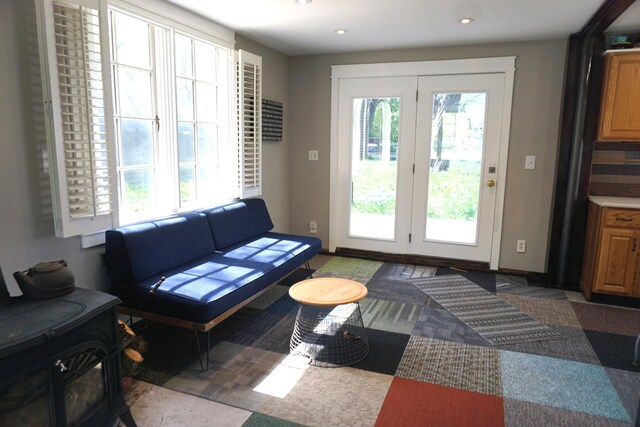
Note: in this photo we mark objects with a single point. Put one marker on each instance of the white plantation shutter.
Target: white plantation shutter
(75, 70)
(249, 87)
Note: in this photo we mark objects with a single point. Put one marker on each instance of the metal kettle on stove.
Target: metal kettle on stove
(46, 280)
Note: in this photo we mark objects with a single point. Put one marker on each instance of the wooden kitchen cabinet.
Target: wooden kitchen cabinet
(620, 105)
(612, 246)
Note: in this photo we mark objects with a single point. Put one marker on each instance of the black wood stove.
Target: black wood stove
(60, 361)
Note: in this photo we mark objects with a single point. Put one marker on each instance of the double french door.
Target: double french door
(418, 162)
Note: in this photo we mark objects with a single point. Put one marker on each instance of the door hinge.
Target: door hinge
(409, 237)
(417, 92)
(414, 169)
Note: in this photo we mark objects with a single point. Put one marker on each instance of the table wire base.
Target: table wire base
(330, 336)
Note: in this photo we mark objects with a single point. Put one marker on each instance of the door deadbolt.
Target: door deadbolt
(491, 183)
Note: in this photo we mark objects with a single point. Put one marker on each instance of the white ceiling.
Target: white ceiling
(296, 29)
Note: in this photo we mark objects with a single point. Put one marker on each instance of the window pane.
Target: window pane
(184, 62)
(136, 142)
(185, 99)
(207, 176)
(206, 102)
(456, 162)
(206, 143)
(205, 62)
(185, 142)
(374, 168)
(134, 90)
(132, 41)
(187, 184)
(138, 191)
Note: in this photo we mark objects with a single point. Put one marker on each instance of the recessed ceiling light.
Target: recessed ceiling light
(341, 31)
(303, 1)
(466, 20)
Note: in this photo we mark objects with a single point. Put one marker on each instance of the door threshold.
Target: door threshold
(413, 259)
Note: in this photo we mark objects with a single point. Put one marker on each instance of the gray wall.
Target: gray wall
(534, 131)
(26, 223)
(275, 155)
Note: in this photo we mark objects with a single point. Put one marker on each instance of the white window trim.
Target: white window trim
(164, 13)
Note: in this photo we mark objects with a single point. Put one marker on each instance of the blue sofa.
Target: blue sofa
(214, 262)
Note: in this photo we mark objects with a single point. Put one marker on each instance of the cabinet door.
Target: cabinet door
(620, 113)
(617, 262)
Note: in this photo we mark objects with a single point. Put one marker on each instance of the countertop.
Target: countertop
(616, 202)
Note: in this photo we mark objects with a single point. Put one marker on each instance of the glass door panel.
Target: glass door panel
(455, 169)
(374, 168)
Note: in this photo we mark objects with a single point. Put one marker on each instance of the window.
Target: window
(140, 113)
(172, 118)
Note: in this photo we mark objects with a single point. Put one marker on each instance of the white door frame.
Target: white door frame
(504, 65)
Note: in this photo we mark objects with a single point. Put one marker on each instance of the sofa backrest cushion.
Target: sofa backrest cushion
(139, 251)
(238, 221)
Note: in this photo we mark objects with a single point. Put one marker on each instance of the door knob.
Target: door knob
(491, 183)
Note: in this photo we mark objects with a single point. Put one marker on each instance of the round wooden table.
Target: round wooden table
(329, 328)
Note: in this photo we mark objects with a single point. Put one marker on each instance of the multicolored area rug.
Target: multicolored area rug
(492, 318)
(425, 366)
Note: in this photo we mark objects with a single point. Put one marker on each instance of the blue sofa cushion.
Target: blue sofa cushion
(236, 222)
(205, 288)
(139, 251)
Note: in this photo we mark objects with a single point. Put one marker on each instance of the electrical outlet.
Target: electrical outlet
(521, 246)
(313, 227)
(530, 162)
(313, 155)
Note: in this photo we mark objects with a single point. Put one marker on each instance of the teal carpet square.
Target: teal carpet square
(559, 383)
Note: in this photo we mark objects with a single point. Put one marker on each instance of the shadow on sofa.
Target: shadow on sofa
(196, 269)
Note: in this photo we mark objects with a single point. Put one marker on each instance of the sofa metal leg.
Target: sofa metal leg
(636, 356)
(309, 270)
(203, 366)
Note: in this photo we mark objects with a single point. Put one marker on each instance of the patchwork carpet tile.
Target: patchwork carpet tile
(452, 365)
(331, 397)
(564, 384)
(395, 290)
(262, 420)
(389, 315)
(158, 406)
(238, 375)
(359, 270)
(485, 279)
(402, 272)
(385, 351)
(613, 350)
(574, 347)
(548, 311)
(265, 328)
(615, 320)
(273, 294)
(518, 413)
(627, 384)
(438, 323)
(492, 318)
(413, 403)
(518, 285)
(319, 260)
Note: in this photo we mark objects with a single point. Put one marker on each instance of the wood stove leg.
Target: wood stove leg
(127, 419)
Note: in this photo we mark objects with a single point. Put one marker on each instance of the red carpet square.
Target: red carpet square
(413, 403)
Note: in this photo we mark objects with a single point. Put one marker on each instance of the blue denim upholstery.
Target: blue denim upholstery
(239, 221)
(136, 252)
(208, 284)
